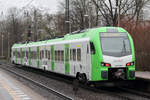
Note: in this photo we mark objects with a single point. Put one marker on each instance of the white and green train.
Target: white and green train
(98, 54)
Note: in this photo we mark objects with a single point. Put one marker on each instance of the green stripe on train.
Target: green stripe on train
(67, 64)
(52, 58)
(21, 55)
(29, 56)
(38, 56)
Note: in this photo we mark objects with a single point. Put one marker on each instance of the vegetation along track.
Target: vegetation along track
(121, 94)
(63, 96)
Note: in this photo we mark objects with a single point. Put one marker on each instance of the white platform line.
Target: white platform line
(27, 98)
(23, 95)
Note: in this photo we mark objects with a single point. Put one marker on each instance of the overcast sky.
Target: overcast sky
(51, 4)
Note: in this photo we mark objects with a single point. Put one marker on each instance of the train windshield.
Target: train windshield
(115, 44)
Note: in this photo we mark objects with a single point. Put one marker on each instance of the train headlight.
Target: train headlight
(105, 64)
(130, 64)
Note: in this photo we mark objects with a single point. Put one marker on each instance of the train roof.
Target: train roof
(88, 33)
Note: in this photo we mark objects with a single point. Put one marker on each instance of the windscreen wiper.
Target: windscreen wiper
(123, 48)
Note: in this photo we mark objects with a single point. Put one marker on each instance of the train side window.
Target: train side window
(62, 55)
(71, 54)
(92, 48)
(42, 53)
(35, 56)
(48, 53)
(59, 56)
(27, 54)
(74, 54)
(55, 55)
(22, 54)
(18, 54)
(78, 54)
(14, 54)
(45, 53)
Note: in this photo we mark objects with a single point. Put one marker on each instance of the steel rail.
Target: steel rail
(63, 96)
(139, 93)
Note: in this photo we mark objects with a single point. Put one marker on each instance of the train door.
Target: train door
(48, 56)
(81, 57)
(34, 56)
(88, 60)
(38, 56)
(42, 57)
(59, 59)
(29, 56)
(76, 58)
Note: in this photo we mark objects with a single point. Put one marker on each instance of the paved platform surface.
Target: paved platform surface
(144, 75)
(11, 89)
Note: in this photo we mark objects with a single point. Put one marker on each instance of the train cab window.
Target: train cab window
(79, 54)
(92, 48)
(74, 54)
(62, 55)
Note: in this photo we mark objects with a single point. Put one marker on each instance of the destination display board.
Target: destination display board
(112, 34)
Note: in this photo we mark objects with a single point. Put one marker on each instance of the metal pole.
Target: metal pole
(8, 47)
(2, 45)
(70, 27)
(35, 25)
(118, 14)
(67, 16)
(89, 21)
(90, 8)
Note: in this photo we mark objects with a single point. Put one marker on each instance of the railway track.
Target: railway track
(124, 97)
(61, 95)
(139, 93)
(121, 91)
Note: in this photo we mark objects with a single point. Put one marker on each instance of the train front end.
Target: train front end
(116, 56)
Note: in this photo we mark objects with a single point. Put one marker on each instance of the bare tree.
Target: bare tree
(14, 25)
(111, 10)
